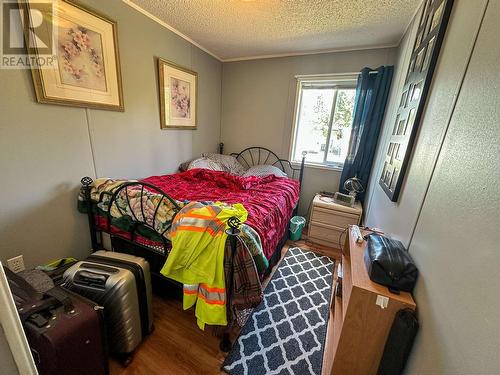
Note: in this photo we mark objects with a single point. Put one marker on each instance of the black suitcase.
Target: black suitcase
(399, 343)
(65, 331)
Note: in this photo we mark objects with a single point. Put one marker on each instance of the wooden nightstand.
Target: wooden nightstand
(329, 220)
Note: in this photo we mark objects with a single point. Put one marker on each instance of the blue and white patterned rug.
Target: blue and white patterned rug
(286, 333)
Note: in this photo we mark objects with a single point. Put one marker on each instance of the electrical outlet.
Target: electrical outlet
(16, 264)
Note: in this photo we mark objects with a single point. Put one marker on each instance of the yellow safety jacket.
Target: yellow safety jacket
(197, 257)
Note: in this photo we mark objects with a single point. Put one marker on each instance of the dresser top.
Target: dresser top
(327, 202)
(359, 274)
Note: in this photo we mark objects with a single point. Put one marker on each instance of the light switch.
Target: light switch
(382, 301)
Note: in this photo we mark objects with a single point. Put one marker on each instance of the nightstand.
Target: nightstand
(329, 220)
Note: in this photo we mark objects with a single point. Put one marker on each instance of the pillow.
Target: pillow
(183, 167)
(205, 163)
(264, 170)
(229, 163)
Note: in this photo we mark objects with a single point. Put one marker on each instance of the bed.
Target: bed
(269, 200)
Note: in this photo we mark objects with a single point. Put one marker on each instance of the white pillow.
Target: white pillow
(264, 170)
(229, 163)
(205, 163)
(183, 167)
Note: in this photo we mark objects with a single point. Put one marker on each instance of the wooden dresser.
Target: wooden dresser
(358, 327)
(329, 220)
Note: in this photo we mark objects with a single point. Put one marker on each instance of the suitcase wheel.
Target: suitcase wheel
(125, 358)
(126, 361)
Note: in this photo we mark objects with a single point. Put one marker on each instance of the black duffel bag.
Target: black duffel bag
(389, 263)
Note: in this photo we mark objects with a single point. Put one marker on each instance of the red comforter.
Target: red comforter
(269, 200)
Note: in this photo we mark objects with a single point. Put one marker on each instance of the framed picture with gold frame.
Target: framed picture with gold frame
(86, 69)
(178, 88)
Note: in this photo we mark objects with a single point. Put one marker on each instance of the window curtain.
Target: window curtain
(372, 92)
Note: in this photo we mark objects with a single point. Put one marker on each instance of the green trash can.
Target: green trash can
(297, 223)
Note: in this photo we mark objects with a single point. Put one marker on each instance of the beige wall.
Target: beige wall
(448, 212)
(258, 99)
(46, 149)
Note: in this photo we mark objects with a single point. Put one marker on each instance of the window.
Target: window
(323, 119)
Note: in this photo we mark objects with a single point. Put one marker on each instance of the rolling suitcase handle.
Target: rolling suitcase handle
(33, 302)
(90, 278)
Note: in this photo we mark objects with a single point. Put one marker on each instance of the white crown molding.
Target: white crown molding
(172, 29)
(314, 52)
(257, 57)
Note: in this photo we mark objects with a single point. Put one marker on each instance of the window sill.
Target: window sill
(320, 166)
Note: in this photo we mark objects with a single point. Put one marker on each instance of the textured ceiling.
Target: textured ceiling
(232, 29)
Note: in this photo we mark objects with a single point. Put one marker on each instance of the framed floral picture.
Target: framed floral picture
(86, 67)
(178, 92)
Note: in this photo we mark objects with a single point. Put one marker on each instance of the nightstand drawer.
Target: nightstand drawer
(332, 217)
(327, 234)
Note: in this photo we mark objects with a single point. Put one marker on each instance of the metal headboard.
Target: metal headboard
(252, 156)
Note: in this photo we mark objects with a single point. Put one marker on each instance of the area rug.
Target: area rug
(286, 333)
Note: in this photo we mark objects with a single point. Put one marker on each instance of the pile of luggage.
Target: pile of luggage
(74, 314)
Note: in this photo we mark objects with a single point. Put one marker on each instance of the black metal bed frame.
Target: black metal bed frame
(249, 157)
(256, 155)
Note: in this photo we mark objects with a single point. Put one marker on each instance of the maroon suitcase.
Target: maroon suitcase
(64, 330)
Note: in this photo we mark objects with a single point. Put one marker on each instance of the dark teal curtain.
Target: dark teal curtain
(372, 92)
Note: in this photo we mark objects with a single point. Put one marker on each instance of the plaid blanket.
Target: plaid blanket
(246, 291)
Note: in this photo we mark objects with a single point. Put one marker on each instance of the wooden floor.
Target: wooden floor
(177, 346)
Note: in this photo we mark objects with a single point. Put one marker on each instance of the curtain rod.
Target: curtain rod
(305, 76)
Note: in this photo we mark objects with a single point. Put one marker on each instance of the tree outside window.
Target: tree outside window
(323, 122)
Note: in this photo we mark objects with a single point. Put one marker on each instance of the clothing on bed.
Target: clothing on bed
(197, 257)
(269, 200)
